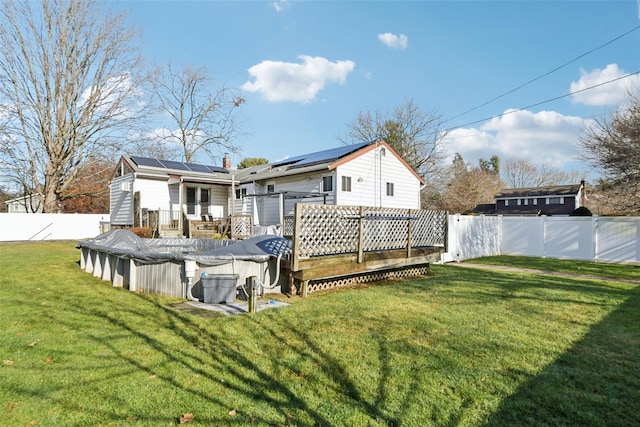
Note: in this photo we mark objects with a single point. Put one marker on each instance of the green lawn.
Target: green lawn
(564, 266)
(460, 347)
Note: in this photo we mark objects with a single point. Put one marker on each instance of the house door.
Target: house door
(191, 200)
(204, 201)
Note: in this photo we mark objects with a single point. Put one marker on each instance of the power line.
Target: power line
(542, 102)
(543, 75)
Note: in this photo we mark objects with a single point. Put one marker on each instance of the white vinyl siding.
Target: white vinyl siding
(271, 207)
(154, 194)
(121, 202)
(369, 174)
(219, 201)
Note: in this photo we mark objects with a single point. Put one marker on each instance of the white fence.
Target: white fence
(601, 239)
(40, 226)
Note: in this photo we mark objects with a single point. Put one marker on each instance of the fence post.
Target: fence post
(251, 284)
(544, 236)
(409, 231)
(594, 233)
(361, 235)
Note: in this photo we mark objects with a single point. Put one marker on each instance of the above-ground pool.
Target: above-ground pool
(175, 267)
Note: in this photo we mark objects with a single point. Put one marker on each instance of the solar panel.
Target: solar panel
(170, 164)
(145, 161)
(217, 169)
(198, 168)
(322, 156)
(175, 165)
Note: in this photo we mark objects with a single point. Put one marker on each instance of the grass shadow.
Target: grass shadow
(593, 383)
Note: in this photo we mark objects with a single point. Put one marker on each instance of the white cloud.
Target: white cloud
(394, 41)
(608, 94)
(297, 82)
(545, 137)
(117, 97)
(280, 5)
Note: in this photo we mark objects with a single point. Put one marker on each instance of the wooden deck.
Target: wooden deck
(340, 265)
(340, 245)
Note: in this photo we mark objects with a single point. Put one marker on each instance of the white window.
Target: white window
(389, 188)
(511, 202)
(346, 183)
(271, 188)
(241, 192)
(327, 183)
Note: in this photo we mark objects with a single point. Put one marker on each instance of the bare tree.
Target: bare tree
(89, 193)
(521, 173)
(612, 145)
(468, 186)
(416, 135)
(68, 90)
(203, 119)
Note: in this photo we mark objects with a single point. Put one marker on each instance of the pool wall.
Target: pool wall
(157, 267)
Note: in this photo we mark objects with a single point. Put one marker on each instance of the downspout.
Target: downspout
(233, 196)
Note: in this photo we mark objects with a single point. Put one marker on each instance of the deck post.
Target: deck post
(295, 247)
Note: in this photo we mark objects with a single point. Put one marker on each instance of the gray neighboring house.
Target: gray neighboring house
(549, 200)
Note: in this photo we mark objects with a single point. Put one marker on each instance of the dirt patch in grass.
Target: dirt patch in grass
(187, 308)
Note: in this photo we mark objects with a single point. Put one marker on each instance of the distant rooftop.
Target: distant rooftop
(554, 190)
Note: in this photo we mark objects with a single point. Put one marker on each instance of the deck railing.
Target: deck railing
(332, 230)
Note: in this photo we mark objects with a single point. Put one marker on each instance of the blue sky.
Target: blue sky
(308, 68)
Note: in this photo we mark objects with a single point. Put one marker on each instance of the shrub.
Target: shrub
(144, 232)
(581, 211)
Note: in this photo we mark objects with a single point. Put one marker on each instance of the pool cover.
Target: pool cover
(125, 244)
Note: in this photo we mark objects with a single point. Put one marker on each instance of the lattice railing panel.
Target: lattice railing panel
(429, 228)
(327, 230)
(241, 226)
(345, 281)
(385, 229)
(333, 230)
(288, 226)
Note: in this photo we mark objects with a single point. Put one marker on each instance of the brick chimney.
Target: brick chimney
(226, 161)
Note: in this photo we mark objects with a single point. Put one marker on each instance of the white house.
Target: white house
(175, 190)
(365, 174)
(30, 203)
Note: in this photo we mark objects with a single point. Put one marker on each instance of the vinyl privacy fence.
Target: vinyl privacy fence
(50, 226)
(601, 239)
